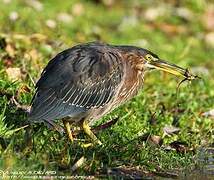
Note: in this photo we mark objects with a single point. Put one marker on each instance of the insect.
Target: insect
(188, 77)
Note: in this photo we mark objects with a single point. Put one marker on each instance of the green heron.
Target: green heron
(87, 81)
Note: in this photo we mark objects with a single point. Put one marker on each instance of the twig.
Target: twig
(78, 164)
(24, 108)
(17, 129)
(105, 125)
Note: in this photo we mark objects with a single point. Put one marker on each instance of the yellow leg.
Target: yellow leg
(88, 131)
(68, 130)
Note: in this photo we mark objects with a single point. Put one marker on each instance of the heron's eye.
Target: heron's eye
(149, 57)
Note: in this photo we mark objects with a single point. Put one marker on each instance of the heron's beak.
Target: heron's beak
(171, 68)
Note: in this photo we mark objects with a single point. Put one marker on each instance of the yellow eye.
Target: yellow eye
(149, 57)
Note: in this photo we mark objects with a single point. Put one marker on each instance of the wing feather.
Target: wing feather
(76, 80)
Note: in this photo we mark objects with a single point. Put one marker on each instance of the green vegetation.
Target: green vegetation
(31, 34)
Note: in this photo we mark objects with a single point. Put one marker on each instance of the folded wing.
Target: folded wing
(75, 81)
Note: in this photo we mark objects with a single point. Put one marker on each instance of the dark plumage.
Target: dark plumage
(89, 80)
(77, 80)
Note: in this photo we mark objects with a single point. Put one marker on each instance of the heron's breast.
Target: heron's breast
(130, 86)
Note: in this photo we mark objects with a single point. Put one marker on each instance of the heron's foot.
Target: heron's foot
(88, 131)
(68, 130)
(86, 145)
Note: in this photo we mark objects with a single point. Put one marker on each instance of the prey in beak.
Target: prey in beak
(156, 63)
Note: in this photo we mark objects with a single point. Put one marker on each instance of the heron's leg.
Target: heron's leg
(68, 130)
(88, 131)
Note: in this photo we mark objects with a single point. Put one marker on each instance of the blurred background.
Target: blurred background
(180, 31)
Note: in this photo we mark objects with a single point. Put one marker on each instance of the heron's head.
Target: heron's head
(152, 61)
